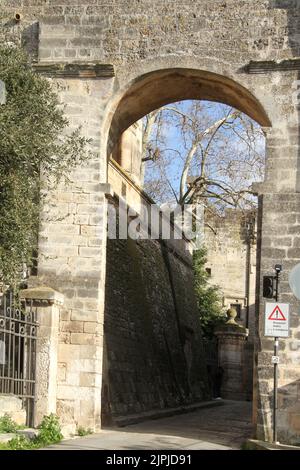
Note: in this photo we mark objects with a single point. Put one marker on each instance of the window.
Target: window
(208, 270)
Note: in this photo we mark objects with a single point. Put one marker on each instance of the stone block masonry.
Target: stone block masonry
(154, 357)
(281, 219)
(72, 249)
(229, 51)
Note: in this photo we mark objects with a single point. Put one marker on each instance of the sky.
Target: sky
(230, 160)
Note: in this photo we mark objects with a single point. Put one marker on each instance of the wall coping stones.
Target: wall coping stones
(42, 295)
(230, 329)
(264, 66)
(115, 165)
(75, 70)
(171, 245)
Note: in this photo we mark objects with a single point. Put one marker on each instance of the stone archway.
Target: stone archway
(97, 55)
(155, 89)
(141, 96)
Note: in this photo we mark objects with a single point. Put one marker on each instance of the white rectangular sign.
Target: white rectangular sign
(277, 320)
(275, 360)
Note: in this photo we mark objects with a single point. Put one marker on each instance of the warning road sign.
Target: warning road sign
(277, 320)
(277, 314)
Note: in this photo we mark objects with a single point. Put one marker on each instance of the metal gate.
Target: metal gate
(18, 334)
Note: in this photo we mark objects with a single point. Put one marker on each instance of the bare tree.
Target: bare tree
(202, 151)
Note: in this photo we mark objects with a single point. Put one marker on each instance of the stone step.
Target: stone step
(5, 437)
(10, 403)
(29, 433)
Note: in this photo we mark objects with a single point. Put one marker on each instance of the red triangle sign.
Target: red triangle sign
(277, 314)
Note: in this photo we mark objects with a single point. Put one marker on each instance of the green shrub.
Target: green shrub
(209, 297)
(21, 443)
(7, 425)
(50, 431)
(81, 431)
(35, 140)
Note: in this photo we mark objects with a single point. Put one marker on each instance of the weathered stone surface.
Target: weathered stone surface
(147, 315)
(163, 52)
(12, 405)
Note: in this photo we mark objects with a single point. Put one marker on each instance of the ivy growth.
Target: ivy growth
(35, 145)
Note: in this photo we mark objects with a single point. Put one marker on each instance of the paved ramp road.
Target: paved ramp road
(221, 427)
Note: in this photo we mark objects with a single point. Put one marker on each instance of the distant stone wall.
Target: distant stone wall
(231, 258)
(127, 153)
(153, 348)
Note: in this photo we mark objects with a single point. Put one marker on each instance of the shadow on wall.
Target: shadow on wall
(289, 401)
(288, 414)
(25, 32)
(153, 349)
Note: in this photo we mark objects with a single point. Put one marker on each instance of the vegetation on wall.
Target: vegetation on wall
(34, 141)
(208, 296)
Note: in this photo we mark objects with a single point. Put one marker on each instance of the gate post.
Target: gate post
(47, 302)
(231, 344)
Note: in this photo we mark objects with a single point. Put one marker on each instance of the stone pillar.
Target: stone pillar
(280, 244)
(48, 302)
(72, 254)
(231, 343)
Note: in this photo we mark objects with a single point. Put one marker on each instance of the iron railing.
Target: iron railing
(18, 335)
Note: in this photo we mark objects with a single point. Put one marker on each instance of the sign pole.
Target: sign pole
(277, 325)
(276, 343)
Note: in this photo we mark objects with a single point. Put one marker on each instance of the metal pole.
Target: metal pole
(275, 392)
(248, 273)
(277, 286)
(276, 345)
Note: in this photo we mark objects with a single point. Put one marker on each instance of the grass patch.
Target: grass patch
(246, 446)
(81, 431)
(49, 433)
(7, 425)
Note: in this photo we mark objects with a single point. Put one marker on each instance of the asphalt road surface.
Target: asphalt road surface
(222, 427)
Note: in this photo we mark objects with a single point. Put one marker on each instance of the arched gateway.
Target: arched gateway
(113, 62)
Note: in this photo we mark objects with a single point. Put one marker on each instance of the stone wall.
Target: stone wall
(280, 245)
(132, 30)
(152, 335)
(231, 259)
(128, 152)
(153, 350)
(223, 50)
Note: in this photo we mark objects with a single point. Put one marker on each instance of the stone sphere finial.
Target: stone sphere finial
(231, 314)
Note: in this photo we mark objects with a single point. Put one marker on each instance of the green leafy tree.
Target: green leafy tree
(208, 296)
(35, 145)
